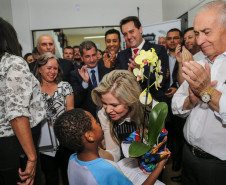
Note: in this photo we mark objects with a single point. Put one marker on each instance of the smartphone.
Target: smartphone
(23, 162)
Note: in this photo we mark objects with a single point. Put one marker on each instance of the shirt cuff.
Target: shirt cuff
(222, 108)
(177, 107)
(85, 85)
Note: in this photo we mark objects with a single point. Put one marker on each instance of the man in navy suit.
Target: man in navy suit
(85, 79)
(132, 30)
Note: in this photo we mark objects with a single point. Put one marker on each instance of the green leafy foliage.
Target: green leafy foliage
(137, 149)
(156, 123)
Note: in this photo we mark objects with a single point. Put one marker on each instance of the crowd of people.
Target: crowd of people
(87, 103)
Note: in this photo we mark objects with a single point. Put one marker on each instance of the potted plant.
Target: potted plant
(149, 147)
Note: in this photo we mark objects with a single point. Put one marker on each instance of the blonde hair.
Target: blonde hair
(123, 85)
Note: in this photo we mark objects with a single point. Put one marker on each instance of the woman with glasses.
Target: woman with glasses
(58, 96)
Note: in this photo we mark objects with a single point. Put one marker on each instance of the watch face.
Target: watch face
(206, 98)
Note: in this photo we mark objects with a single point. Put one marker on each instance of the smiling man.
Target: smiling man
(113, 42)
(190, 41)
(202, 99)
(85, 79)
(132, 31)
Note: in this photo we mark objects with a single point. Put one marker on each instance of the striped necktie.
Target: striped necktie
(93, 78)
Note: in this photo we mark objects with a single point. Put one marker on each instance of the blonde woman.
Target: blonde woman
(121, 112)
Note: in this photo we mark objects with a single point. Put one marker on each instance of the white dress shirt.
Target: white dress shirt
(204, 127)
(84, 84)
(139, 47)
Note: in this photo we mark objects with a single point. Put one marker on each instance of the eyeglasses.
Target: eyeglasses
(174, 38)
(51, 106)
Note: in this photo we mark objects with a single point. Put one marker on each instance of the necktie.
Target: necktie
(135, 51)
(93, 78)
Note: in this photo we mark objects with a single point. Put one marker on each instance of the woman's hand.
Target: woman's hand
(27, 177)
(22, 130)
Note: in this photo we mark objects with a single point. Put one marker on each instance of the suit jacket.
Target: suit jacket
(67, 66)
(123, 60)
(82, 96)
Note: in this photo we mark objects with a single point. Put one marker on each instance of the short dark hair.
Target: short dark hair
(87, 45)
(69, 47)
(175, 29)
(8, 39)
(27, 55)
(70, 126)
(100, 51)
(188, 29)
(134, 19)
(112, 31)
(42, 60)
(35, 51)
(76, 46)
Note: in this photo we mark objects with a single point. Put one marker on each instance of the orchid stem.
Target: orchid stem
(146, 99)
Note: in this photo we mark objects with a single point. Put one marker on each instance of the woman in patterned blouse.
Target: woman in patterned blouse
(58, 96)
(122, 113)
(21, 111)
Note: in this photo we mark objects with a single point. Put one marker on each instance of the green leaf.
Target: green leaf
(138, 149)
(156, 122)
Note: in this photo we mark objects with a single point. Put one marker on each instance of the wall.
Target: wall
(6, 10)
(48, 14)
(87, 13)
(172, 9)
(78, 39)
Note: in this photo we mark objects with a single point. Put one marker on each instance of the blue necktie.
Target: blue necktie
(93, 77)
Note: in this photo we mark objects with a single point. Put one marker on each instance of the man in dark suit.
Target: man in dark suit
(46, 44)
(84, 80)
(174, 124)
(132, 30)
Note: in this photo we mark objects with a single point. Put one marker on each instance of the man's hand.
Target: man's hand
(178, 53)
(193, 98)
(186, 55)
(132, 65)
(109, 62)
(167, 74)
(197, 77)
(27, 177)
(171, 92)
(84, 73)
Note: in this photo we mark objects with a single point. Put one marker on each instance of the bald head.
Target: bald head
(162, 41)
(45, 44)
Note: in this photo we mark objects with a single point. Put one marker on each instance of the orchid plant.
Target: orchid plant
(159, 112)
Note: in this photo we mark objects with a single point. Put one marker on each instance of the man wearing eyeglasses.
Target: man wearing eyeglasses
(173, 38)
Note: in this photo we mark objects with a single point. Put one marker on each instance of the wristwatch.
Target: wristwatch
(206, 96)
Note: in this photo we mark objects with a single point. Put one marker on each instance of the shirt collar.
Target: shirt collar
(123, 121)
(89, 69)
(139, 47)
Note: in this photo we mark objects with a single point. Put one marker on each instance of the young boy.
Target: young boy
(78, 130)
